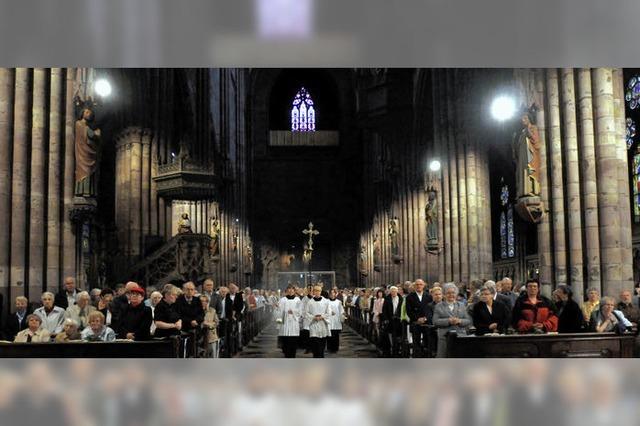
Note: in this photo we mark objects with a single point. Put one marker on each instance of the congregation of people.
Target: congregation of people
(129, 312)
(413, 319)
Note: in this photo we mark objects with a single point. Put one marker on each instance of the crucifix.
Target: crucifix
(310, 232)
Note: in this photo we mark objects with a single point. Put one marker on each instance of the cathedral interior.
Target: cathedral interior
(442, 174)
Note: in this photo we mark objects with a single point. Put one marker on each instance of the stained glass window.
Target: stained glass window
(632, 95)
(503, 235)
(507, 232)
(303, 114)
(631, 132)
(636, 183)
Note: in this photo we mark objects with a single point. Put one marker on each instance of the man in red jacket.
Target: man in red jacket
(534, 313)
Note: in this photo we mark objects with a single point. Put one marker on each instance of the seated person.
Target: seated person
(17, 321)
(135, 323)
(626, 306)
(568, 311)
(606, 319)
(534, 313)
(81, 310)
(489, 315)
(34, 333)
(70, 331)
(97, 331)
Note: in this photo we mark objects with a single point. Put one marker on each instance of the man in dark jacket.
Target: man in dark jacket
(17, 321)
(570, 318)
(67, 296)
(418, 310)
(136, 318)
(119, 304)
(391, 322)
(214, 299)
(189, 307)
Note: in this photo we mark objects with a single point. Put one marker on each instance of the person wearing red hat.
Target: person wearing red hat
(135, 322)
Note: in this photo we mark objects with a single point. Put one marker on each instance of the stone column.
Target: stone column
(154, 186)
(557, 191)
(121, 220)
(460, 139)
(446, 187)
(590, 185)
(19, 182)
(127, 195)
(453, 182)
(146, 166)
(6, 126)
(69, 241)
(608, 192)
(544, 227)
(37, 205)
(136, 193)
(574, 219)
(56, 112)
(472, 192)
(486, 268)
(626, 244)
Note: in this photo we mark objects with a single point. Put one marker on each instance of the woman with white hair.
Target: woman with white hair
(81, 310)
(449, 315)
(69, 331)
(607, 319)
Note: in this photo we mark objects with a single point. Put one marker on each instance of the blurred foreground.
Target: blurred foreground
(283, 392)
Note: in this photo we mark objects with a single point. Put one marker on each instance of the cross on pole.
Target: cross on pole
(310, 232)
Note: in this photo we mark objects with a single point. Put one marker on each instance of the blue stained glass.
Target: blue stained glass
(504, 195)
(631, 132)
(511, 240)
(632, 95)
(503, 236)
(303, 115)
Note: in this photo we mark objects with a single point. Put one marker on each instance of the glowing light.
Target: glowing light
(434, 166)
(503, 108)
(102, 88)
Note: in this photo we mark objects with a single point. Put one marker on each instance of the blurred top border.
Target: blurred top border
(319, 33)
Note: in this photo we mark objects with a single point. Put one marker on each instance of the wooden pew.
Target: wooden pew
(578, 345)
(169, 348)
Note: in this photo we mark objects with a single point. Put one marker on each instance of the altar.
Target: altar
(306, 278)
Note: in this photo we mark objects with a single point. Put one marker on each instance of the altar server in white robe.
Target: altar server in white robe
(335, 322)
(318, 314)
(289, 313)
(304, 321)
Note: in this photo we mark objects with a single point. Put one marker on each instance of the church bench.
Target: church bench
(574, 345)
(169, 348)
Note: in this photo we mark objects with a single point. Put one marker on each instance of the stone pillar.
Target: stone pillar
(120, 190)
(472, 217)
(146, 166)
(446, 187)
(154, 186)
(590, 184)
(56, 112)
(626, 244)
(6, 126)
(453, 181)
(37, 205)
(19, 182)
(574, 219)
(486, 268)
(557, 191)
(608, 192)
(126, 196)
(69, 241)
(460, 140)
(544, 227)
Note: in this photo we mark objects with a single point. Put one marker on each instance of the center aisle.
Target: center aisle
(265, 345)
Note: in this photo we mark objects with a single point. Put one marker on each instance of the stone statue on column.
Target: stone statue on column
(526, 155)
(431, 216)
(214, 245)
(87, 146)
(394, 225)
(377, 254)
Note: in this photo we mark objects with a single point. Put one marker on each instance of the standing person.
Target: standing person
(489, 315)
(570, 318)
(210, 327)
(534, 313)
(377, 311)
(304, 321)
(214, 299)
(419, 310)
(507, 290)
(68, 296)
(136, 319)
(391, 322)
(335, 322)
(166, 316)
(81, 310)
(450, 315)
(318, 313)
(104, 304)
(592, 304)
(52, 316)
(237, 303)
(289, 313)
(18, 320)
(119, 303)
